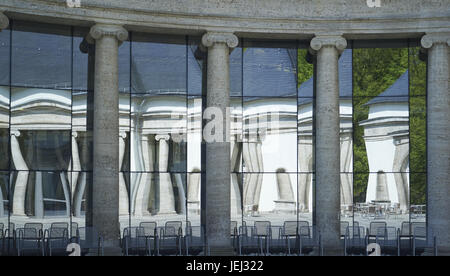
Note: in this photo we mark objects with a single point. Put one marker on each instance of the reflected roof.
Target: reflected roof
(269, 72)
(397, 92)
(345, 80)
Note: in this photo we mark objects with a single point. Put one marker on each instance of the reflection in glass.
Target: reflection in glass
(274, 200)
(41, 55)
(385, 200)
(4, 198)
(165, 199)
(4, 128)
(270, 131)
(5, 56)
(270, 72)
(158, 64)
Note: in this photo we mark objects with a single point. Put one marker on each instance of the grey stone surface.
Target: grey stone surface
(327, 191)
(218, 209)
(4, 21)
(438, 134)
(105, 192)
(262, 18)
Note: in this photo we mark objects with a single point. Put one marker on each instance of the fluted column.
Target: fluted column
(327, 194)
(20, 187)
(438, 133)
(166, 196)
(218, 152)
(105, 196)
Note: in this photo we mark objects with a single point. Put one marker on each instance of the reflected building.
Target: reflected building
(104, 125)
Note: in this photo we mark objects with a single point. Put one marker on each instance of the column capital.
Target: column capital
(74, 134)
(122, 134)
(337, 41)
(15, 132)
(4, 21)
(430, 39)
(211, 38)
(164, 137)
(100, 30)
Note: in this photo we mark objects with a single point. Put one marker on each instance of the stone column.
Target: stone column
(217, 167)
(166, 196)
(105, 192)
(327, 193)
(4, 21)
(20, 187)
(438, 133)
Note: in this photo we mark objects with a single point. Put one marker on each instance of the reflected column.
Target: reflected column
(218, 152)
(105, 196)
(327, 195)
(20, 187)
(123, 192)
(166, 196)
(438, 137)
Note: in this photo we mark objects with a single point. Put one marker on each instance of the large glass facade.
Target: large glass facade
(46, 96)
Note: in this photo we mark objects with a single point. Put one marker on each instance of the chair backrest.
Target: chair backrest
(58, 233)
(344, 225)
(303, 228)
(262, 228)
(60, 225)
(354, 232)
(173, 228)
(290, 228)
(37, 226)
(149, 228)
(29, 233)
(405, 229)
(415, 226)
(133, 232)
(375, 226)
(233, 228)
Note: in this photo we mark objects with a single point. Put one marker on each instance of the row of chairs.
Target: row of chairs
(296, 237)
(171, 239)
(32, 238)
(412, 238)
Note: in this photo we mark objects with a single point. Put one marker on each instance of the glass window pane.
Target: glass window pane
(165, 118)
(194, 135)
(269, 70)
(236, 72)
(269, 197)
(270, 131)
(158, 65)
(4, 128)
(4, 199)
(5, 37)
(41, 55)
(196, 60)
(80, 59)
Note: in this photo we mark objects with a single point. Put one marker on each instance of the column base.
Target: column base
(222, 251)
